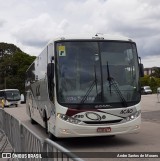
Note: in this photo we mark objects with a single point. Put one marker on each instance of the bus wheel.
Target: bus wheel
(46, 123)
(111, 136)
(52, 137)
(32, 121)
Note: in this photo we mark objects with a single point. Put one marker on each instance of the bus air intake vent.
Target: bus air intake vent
(102, 122)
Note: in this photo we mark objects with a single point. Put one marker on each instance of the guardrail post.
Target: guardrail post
(1, 119)
(3, 115)
(44, 149)
(21, 139)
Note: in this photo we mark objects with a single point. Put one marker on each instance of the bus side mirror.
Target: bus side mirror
(50, 71)
(50, 77)
(141, 70)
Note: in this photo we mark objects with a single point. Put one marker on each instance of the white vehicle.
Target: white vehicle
(10, 96)
(22, 99)
(85, 86)
(146, 90)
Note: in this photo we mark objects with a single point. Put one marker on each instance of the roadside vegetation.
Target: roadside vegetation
(152, 80)
(13, 66)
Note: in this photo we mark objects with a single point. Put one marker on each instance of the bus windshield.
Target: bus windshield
(12, 95)
(97, 72)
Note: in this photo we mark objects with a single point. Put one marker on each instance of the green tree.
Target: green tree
(153, 84)
(151, 81)
(145, 80)
(8, 49)
(156, 73)
(13, 67)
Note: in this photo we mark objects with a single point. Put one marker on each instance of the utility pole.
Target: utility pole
(5, 84)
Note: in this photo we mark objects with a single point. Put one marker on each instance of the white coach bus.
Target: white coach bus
(86, 86)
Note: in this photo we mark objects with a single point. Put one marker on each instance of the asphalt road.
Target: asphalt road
(148, 140)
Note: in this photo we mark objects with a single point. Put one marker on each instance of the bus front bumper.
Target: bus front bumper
(11, 103)
(66, 129)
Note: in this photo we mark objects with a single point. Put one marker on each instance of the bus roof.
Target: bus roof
(9, 90)
(97, 36)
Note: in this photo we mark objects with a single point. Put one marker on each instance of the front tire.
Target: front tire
(111, 136)
(52, 137)
(32, 121)
(46, 122)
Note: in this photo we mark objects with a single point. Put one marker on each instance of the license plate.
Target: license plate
(103, 129)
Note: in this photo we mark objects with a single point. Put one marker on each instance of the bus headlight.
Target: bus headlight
(132, 116)
(68, 119)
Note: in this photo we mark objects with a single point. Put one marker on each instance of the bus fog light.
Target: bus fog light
(64, 130)
(68, 119)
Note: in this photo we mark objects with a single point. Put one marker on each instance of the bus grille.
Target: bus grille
(102, 122)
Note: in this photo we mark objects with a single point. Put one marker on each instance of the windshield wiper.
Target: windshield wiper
(114, 83)
(109, 78)
(91, 87)
(88, 92)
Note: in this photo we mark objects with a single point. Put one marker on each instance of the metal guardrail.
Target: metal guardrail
(11, 127)
(1, 119)
(54, 150)
(3, 141)
(23, 140)
(30, 142)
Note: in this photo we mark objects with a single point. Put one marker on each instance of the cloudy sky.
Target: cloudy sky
(30, 24)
